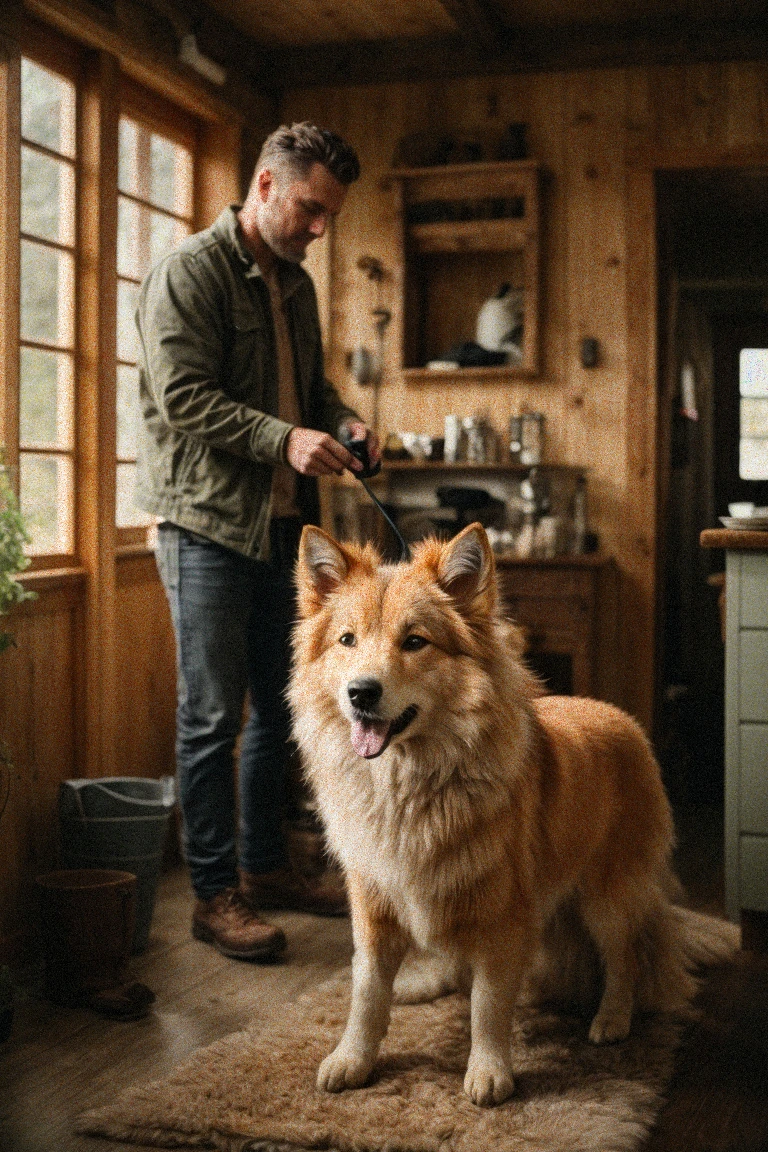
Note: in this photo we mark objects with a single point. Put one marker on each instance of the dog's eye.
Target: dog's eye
(414, 642)
(347, 639)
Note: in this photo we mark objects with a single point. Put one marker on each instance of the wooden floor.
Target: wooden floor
(60, 1061)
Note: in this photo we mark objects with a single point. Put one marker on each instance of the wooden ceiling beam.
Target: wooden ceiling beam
(476, 21)
(641, 43)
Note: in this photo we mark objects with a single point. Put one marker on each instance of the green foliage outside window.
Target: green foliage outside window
(13, 537)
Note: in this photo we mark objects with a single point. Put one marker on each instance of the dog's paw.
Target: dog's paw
(343, 1069)
(609, 1027)
(488, 1082)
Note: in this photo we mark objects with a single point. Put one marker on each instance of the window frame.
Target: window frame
(98, 101)
(174, 123)
(62, 57)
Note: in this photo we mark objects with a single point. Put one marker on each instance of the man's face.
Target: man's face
(292, 212)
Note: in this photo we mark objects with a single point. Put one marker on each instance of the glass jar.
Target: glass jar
(532, 438)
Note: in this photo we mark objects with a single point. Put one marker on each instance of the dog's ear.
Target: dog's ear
(321, 567)
(466, 571)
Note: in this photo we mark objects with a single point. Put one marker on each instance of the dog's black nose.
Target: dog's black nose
(364, 693)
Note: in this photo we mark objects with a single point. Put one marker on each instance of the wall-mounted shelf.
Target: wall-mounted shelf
(469, 236)
(468, 466)
(466, 229)
(444, 376)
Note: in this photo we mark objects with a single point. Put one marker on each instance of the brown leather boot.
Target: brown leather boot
(288, 889)
(229, 922)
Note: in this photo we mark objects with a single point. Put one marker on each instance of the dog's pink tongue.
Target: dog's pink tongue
(369, 737)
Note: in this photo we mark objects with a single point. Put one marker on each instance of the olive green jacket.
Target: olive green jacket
(209, 433)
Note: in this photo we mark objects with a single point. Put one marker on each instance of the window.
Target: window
(753, 414)
(47, 308)
(155, 207)
(99, 168)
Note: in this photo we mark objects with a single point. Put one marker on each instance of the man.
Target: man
(238, 420)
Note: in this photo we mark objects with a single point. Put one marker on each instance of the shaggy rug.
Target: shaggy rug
(255, 1092)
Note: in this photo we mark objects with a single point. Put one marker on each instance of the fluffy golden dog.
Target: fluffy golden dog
(477, 820)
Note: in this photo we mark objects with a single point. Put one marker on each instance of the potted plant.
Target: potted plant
(13, 537)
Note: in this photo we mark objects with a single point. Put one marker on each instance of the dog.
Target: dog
(498, 833)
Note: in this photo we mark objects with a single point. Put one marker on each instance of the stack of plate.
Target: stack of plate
(755, 523)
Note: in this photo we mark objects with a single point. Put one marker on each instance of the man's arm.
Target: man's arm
(181, 326)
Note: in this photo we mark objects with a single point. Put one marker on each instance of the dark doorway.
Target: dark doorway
(713, 264)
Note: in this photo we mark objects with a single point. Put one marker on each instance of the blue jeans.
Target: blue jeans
(232, 618)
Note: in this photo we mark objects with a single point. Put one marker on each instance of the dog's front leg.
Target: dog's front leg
(380, 946)
(496, 982)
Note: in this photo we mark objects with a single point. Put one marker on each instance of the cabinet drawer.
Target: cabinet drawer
(534, 582)
(754, 591)
(548, 615)
(753, 783)
(753, 675)
(753, 873)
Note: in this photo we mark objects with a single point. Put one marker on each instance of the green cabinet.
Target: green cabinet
(746, 732)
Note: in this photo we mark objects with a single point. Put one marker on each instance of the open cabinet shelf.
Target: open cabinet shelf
(466, 229)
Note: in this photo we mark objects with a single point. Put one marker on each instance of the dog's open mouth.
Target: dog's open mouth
(371, 736)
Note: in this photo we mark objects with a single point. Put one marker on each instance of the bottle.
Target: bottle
(452, 433)
(579, 515)
(532, 438)
(515, 438)
(475, 441)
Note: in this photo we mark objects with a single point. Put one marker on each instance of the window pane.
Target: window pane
(46, 398)
(753, 459)
(45, 484)
(162, 153)
(171, 176)
(167, 234)
(127, 410)
(143, 238)
(47, 109)
(753, 372)
(127, 156)
(127, 336)
(47, 197)
(132, 239)
(47, 291)
(127, 514)
(754, 416)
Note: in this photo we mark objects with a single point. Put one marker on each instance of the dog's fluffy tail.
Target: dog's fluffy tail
(676, 947)
(706, 940)
(672, 951)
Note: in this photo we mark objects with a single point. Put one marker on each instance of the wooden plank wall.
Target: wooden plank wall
(43, 703)
(39, 706)
(599, 135)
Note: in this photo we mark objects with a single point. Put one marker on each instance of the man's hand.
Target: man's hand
(315, 453)
(356, 430)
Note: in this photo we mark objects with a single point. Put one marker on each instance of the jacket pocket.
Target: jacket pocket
(247, 357)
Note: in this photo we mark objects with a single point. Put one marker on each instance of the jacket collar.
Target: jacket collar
(228, 229)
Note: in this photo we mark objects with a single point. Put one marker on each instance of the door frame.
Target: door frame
(641, 592)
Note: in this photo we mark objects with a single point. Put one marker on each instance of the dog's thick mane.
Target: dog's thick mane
(432, 794)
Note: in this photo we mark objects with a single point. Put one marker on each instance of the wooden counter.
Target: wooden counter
(737, 539)
(746, 718)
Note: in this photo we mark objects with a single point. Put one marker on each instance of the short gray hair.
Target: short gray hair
(301, 145)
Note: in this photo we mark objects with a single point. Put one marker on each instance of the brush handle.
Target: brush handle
(359, 449)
